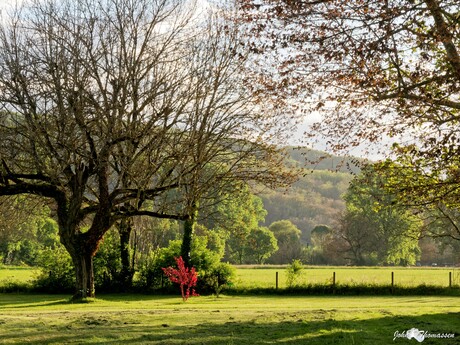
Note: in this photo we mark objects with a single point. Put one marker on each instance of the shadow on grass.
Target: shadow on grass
(350, 290)
(27, 300)
(288, 329)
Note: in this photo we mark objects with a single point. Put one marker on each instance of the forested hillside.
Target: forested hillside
(316, 197)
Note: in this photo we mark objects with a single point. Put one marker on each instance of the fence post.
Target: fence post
(333, 282)
(450, 279)
(276, 280)
(392, 281)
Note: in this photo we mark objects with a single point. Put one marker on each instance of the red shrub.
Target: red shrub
(183, 276)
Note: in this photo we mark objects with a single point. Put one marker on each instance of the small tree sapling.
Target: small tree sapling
(185, 277)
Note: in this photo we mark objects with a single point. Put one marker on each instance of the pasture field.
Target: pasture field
(141, 319)
(260, 277)
(19, 274)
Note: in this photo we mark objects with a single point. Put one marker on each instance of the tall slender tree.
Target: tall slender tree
(229, 140)
(83, 86)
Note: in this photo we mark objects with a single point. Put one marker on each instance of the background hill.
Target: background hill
(316, 198)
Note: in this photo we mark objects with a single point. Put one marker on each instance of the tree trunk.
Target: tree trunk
(186, 249)
(240, 256)
(127, 271)
(189, 229)
(82, 249)
(84, 274)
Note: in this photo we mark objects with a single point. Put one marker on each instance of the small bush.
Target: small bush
(294, 272)
(151, 275)
(217, 278)
(8, 285)
(57, 274)
(184, 276)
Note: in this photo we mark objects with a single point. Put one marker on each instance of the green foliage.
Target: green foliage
(202, 258)
(288, 238)
(25, 229)
(107, 263)
(321, 231)
(261, 244)
(236, 217)
(57, 272)
(218, 277)
(378, 230)
(431, 192)
(47, 232)
(215, 239)
(293, 273)
(149, 274)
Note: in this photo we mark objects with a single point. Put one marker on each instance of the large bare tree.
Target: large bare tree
(89, 91)
(115, 109)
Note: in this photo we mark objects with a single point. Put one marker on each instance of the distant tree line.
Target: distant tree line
(376, 228)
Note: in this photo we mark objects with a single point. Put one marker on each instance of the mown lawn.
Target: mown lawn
(140, 319)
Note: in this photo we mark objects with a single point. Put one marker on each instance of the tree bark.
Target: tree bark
(189, 229)
(127, 271)
(84, 274)
(82, 247)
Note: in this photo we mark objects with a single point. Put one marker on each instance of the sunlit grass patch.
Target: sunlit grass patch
(143, 319)
(17, 273)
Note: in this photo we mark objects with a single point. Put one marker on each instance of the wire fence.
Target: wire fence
(403, 277)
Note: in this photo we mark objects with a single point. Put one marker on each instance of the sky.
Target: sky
(373, 152)
(7, 3)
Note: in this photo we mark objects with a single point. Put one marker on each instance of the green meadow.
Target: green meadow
(260, 277)
(18, 274)
(14, 278)
(141, 319)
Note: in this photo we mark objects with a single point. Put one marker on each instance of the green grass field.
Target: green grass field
(251, 277)
(19, 274)
(248, 277)
(139, 319)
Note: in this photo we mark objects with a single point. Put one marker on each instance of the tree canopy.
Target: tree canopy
(375, 228)
(370, 68)
(288, 238)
